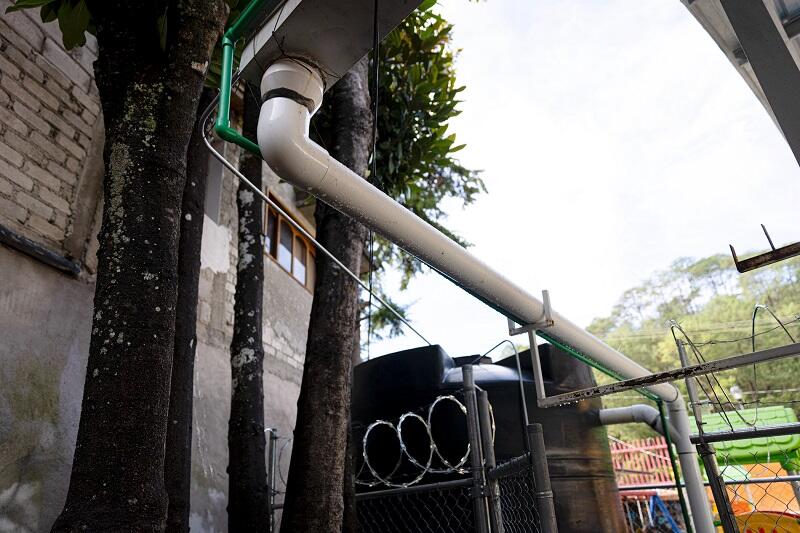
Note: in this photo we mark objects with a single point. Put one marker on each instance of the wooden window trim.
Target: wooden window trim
(310, 250)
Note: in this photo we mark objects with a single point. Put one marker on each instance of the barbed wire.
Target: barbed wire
(433, 453)
(711, 379)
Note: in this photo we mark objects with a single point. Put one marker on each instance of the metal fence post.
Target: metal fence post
(706, 451)
(476, 460)
(541, 475)
(718, 490)
(272, 454)
(487, 438)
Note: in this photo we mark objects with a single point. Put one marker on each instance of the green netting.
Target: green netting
(779, 449)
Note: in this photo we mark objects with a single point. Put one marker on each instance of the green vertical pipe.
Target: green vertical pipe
(675, 472)
(234, 32)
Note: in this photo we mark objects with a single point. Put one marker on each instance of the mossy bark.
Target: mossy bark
(178, 456)
(247, 473)
(314, 495)
(149, 96)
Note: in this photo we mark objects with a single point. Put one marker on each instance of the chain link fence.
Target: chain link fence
(438, 508)
(426, 491)
(517, 497)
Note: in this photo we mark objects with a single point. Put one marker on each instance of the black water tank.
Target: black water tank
(585, 491)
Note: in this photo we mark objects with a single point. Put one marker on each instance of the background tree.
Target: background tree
(178, 455)
(149, 71)
(178, 451)
(416, 165)
(247, 474)
(316, 472)
(712, 302)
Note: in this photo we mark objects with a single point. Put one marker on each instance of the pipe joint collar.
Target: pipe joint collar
(293, 77)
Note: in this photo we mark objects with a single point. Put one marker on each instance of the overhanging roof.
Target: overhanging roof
(760, 38)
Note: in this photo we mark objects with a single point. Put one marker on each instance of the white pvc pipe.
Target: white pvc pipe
(645, 414)
(285, 145)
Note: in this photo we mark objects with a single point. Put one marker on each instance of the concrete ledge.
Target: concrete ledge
(37, 251)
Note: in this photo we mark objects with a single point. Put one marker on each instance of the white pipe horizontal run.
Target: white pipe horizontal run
(287, 149)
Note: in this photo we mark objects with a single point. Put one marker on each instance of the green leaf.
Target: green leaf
(27, 4)
(161, 23)
(426, 5)
(49, 13)
(73, 20)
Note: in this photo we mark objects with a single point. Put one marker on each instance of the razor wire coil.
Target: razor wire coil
(432, 453)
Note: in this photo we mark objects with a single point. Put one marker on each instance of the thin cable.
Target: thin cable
(374, 172)
(219, 157)
(699, 356)
(522, 397)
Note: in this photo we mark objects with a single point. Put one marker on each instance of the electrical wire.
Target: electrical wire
(374, 172)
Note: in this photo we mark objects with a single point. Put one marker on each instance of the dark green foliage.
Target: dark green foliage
(75, 19)
(416, 155)
(416, 162)
(712, 302)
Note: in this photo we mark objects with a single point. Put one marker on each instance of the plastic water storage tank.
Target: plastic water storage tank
(585, 492)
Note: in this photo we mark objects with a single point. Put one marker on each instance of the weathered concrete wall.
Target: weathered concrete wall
(45, 319)
(287, 306)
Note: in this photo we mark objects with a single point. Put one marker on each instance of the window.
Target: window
(300, 258)
(269, 237)
(289, 248)
(285, 246)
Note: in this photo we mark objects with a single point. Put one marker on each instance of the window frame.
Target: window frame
(310, 251)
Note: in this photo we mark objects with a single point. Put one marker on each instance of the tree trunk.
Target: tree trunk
(247, 473)
(178, 457)
(149, 98)
(314, 499)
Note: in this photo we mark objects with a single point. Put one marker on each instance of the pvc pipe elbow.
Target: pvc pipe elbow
(292, 92)
(285, 146)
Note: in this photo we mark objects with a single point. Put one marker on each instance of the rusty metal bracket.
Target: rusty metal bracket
(767, 258)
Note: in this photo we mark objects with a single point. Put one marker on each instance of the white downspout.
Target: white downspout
(293, 92)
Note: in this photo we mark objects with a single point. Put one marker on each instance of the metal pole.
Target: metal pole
(476, 461)
(708, 456)
(541, 477)
(272, 451)
(718, 490)
(673, 461)
(487, 438)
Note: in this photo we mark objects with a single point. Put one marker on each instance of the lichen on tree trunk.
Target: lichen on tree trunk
(149, 97)
(314, 495)
(178, 455)
(247, 476)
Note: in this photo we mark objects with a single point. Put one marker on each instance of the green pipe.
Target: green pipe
(675, 472)
(234, 32)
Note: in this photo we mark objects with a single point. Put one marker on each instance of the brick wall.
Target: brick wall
(48, 111)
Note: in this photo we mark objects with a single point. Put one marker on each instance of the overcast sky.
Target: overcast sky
(614, 137)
